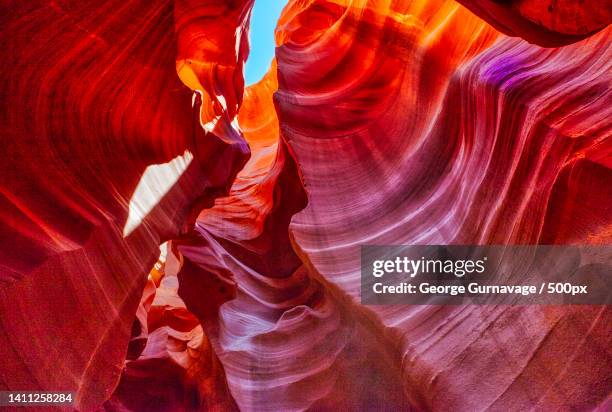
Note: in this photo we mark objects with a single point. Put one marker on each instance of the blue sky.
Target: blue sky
(263, 22)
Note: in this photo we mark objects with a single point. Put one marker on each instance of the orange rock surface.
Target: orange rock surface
(126, 125)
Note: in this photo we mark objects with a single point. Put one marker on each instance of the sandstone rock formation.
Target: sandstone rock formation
(126, 125)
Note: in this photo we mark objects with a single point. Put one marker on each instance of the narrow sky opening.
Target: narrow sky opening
(264, 17)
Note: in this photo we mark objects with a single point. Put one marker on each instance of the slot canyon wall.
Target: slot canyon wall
(172, 240)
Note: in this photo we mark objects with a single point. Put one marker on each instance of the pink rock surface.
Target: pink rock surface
(466, 138)
(127, 125)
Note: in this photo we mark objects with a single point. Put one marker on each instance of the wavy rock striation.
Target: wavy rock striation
(549, 23)
(438, 130)
(285, 342)
(127, 125)
(107, 158)
(170, 363)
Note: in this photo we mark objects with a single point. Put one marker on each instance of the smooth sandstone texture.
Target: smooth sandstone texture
(549, 23)
(105, 158)
(126, 125)
(435, 130)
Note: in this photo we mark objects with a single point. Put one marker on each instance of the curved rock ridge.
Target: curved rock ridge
(284, 341)
(549, 23)
(127, 124)
(170, 363)
(212, 47)
(434, 130)
(107, 157)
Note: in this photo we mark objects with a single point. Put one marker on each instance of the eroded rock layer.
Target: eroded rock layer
(549, 23)
(105, 157)
(127, 124)
(439, 130)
